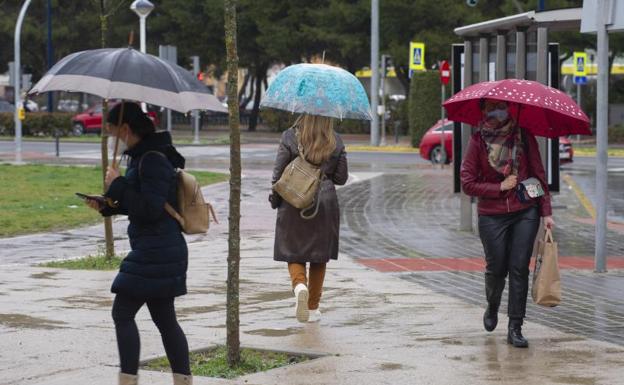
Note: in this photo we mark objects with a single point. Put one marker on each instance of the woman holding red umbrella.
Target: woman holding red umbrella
(502, 167)
(500, 156)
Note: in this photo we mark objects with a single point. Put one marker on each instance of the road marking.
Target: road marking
(585, 201)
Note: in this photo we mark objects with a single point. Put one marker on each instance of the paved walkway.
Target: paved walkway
(377, 328)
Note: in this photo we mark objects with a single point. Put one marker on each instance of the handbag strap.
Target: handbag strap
(548, 237)
(168, 208)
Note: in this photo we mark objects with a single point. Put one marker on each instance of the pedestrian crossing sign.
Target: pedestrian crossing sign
(417, 56)
(580, 64)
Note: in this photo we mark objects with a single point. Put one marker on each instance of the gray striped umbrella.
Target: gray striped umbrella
(124, 73)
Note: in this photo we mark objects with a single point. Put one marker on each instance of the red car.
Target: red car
(90, 121)
(431, 142)
(431, 146)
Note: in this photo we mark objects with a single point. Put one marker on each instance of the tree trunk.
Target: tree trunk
(108, 221)
(253, 117)
(233, 260)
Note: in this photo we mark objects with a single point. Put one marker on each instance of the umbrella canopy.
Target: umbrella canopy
(124, 73)
(543, 110)
(318, 89)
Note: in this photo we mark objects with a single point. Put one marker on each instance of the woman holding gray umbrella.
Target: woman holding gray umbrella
(310, 235)
(154, 272)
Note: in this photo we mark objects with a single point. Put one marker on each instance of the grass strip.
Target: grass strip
(213, 363)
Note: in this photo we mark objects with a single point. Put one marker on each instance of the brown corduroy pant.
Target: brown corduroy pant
(315, 283)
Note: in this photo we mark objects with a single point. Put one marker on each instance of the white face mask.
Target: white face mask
(123, 145)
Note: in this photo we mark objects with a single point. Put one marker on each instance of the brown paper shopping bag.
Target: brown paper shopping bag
(546, 290)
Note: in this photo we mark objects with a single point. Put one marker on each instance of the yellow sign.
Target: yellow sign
(417, 56)
(21, 113)
(580, 64)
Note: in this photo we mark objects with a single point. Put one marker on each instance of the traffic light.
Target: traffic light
(386, 63)
(200, 76)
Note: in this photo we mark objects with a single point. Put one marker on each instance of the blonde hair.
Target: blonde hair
(317, 137)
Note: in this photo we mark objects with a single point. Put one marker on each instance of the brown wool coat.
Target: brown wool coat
(309, 240)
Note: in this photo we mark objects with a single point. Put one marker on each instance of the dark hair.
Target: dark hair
(140, 124)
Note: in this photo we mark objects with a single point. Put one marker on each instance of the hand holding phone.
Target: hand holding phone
(96, 202)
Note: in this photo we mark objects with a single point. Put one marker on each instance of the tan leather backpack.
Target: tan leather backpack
(299, 182)
(194, 212)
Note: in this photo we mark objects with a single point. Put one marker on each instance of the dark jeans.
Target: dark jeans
(508, 243)
(163, 315)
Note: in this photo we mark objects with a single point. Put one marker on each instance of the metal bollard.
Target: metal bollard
(57, 142)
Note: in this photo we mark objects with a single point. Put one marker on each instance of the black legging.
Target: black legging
(163, 315)
(508, 243)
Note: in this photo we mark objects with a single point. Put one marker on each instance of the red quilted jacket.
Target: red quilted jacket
(480, 180)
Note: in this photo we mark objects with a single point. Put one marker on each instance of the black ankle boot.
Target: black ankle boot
(515, 337)
(490, 319)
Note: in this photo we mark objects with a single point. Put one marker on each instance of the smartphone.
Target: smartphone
(98, 198)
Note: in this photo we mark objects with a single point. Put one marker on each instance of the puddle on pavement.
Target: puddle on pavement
(387, 366)
(185, 311)
(572, 380)
(571, 355)
(23, 321)
(97, 301)
(269, 296)
(274, 332)
(44, 275)
(564, 339)
(222, 326)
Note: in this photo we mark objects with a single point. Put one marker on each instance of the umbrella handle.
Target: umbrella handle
(121, 112)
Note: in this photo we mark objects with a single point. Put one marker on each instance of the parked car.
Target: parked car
(566, 151)
(431, 146)
(431, 142)
(90, 121)
(6, 106)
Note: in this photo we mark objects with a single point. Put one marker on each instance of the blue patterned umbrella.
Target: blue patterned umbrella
(318, 89)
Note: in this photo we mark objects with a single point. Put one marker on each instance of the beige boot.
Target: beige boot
(182, 379)
(128, 379)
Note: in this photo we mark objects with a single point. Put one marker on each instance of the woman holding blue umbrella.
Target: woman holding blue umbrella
(321, 93)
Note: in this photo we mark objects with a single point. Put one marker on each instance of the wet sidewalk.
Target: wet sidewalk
(377, 328)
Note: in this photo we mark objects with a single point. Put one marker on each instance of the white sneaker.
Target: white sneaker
(301, 309)
(315, 316)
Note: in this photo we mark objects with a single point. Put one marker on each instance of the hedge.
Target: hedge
(424, 103)
(616, 134)
(38, 123)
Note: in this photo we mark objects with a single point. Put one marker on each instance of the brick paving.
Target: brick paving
(407, 224)
(592, 304)
(417, 216)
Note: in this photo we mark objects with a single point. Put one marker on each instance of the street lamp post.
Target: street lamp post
(142, 8)
(17, 78)
(374, 90)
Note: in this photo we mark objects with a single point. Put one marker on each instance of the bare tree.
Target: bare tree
(233, 261)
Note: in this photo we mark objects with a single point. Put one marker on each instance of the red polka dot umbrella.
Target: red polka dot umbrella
(542, 110)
